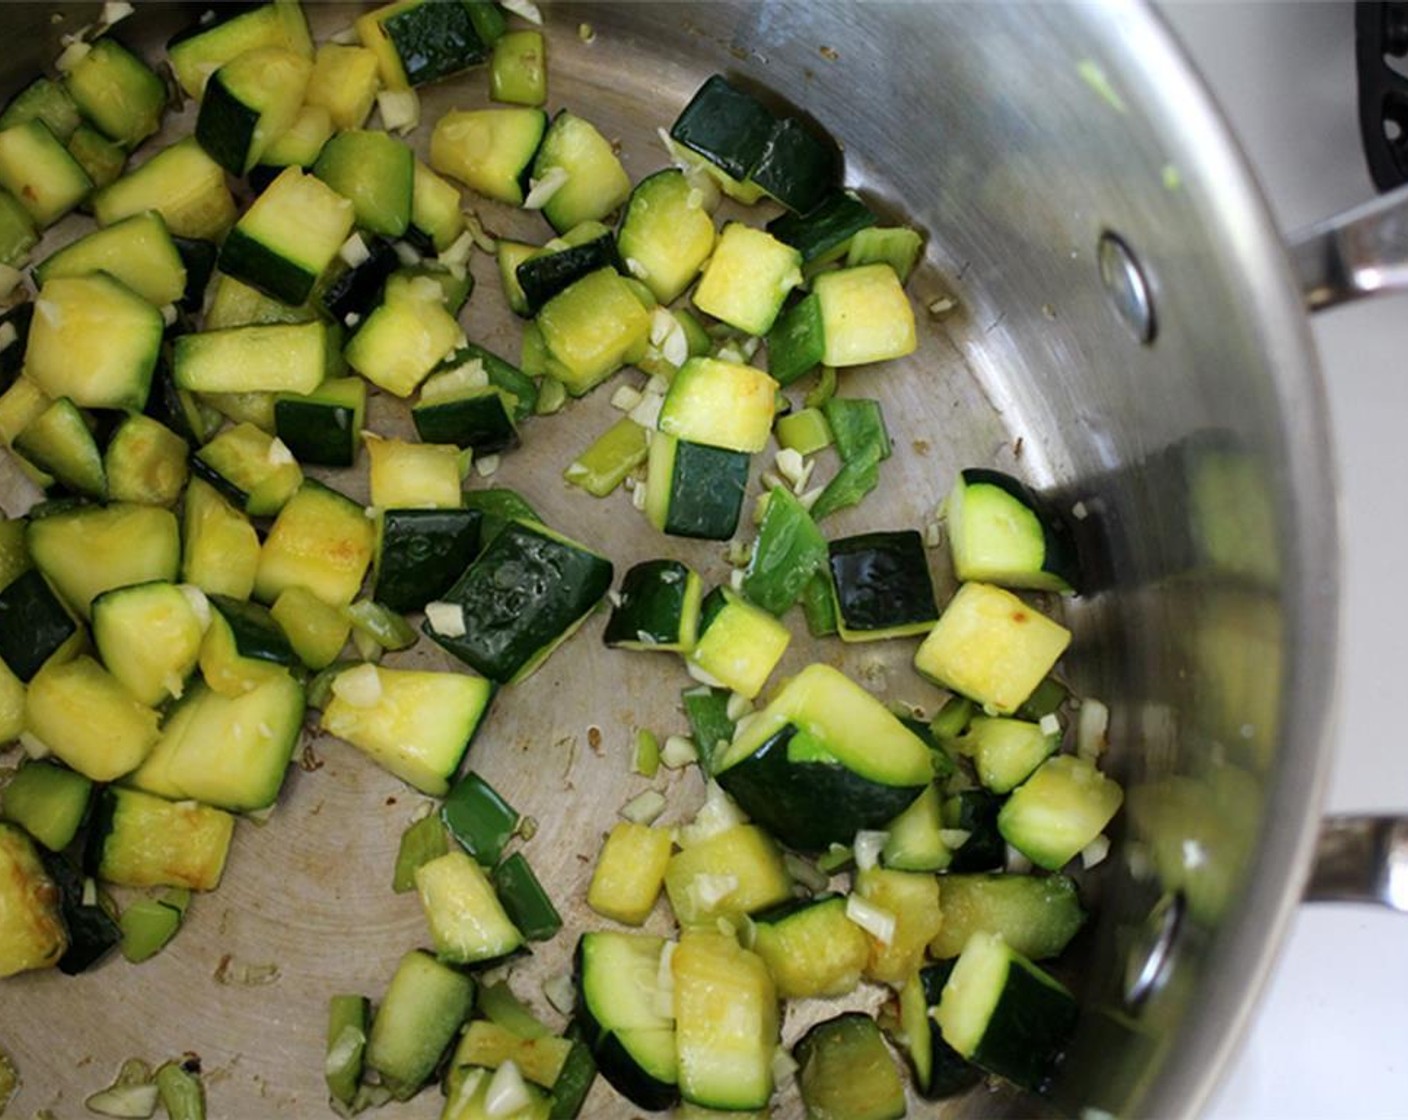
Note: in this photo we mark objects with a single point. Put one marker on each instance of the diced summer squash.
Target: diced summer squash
(197, 53)
(418, 724)
(720, 404)
(630, 872)
(912, 898)
(402, 341)
(138, 251)
(88, 550)
(1036, 915)
(990, 646)
(414, 475)
(518, 72)
(145, 463)
(320, 540)
(667, 233)
(467, 922)
(149, 636)
(220, 547)
(317, 630)
(1058, 810)
(740, 645)
(845, 1069)
(145, 841)
(489, 150)
(747, 278)
(593, 181)
(811, 948)
(422, 1010)
(592, 328)
(344, 82)
(37, 170)
(734, 873)
(866, 317)
(32, 933)
(376, 172)
(48, 801)
(181, 183)
(249, 102)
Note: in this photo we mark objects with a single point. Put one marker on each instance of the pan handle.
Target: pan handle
(1361, 859)
(1361, 252)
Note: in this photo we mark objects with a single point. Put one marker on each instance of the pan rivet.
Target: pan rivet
(1126, 285)
(1150, 958)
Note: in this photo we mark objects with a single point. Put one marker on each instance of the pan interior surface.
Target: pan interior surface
(1015, 137)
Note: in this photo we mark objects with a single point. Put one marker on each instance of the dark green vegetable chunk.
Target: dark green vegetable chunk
(974, 811)
(357, 290)
(435, 40)
(819, 605)
(257, 636)
(940, 1071)
(346, 1043)
(524, 594)
(420, 843)
(845, 1071)
(726, 126)
(857, 428)
(882, 585)
(92, 931)
(789, 551)
(479, 418)
(573, 1082)
(524, 900)
(542, 277)
(706, 709)
(658, 608)
(479, 818)
(47, 801)
(797, 341)
(421, 552)
(498, 506)
(826, 228)
(856, 478)
(33, 624)
(502, 375)
(796, 167)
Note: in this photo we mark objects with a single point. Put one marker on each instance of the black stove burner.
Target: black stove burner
(1380, 35)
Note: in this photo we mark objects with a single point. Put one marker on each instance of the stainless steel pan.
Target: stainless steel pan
(1128, 335)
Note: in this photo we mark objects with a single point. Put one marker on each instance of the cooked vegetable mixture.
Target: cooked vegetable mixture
(187, 381)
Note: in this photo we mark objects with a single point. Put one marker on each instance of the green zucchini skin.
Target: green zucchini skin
(810, 805)
(199, 258)
(435, 40)
(950, 1072)
(826, 227)
(654, 602)
(502, 375)
(12, 356)
(544, 276)
(706, 709)
(526, 591)
(706, 491)
(882, 582)
(422, 552)
(480, 419)
(725, 125)
(796, 341)
(92, 931)
(975, 812)
(1027, 1030)
(33, 624)
(318, 430)
(225, 127)
(357, 290)
(258, 265)
(796, 167)
(257, 635)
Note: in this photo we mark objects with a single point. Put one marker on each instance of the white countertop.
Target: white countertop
(1329, 1038)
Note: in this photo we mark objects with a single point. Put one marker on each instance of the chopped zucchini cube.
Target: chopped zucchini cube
(1036, 915)
(1000, 532)
(249, 102)
(1005, 1014)
(1005, 751)
(731, 874)
(17, 233)
(376, 172)
(914, 840)
(421, 552)
(297, 146)
(436, 218)
(220, 547)
(610, 459)
(489, 150)
(595, 183)
(626, 1015)
(882, 586)
(487, 1045)
(320, 540)
(824, 231)
(658, 608)
(480, 418)
(592, 328)
(344, 82)
(896, 246)
(59, 442)
(243, 647)
(32, 933)
(693, 490)
(46, 100)
(824, 760)
(88, 550)
(149, 636)
(102, 160)
(145, 463)
(36, 169)
(865, 315)
(748, 278)
(990, 646)
(467, 922)
(139, 840)
(522, 596)
(740, 644)
(912, 899)
(811, 948)
(198, 52)
(796, 167)
(720, 404)
(563, 261)
(417, 724)
(423, 1009)
(277, 358)
(666, 234)
(286, 240)
(726, 1022)
(797, 340)
(47, 801)
(181, 183)
(725, 125)
(228, 751)
(518, 71)
(845, 1069)
(422, 41)
(630, 872)
(402, 341)
(138, 251)
(1057, 811)
(95, 341)
(251, 468)
(323, 427)
(406, 475)
(316, 630)
(118, 92)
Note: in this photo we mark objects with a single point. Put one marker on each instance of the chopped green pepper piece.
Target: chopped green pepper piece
(646, 760)
(524, 899)
(422, 842)
(952, 719)
(605, 464)
(573, 1082)
(804, 431)
(819, 605)
(181, 1093)
(499, 507)
(849, 485)
(147, 924)
(858, 427)
(709, 723)
(501, 1006)
(823, 390)
(1047, 697)
(789, 551)
(479, 818)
